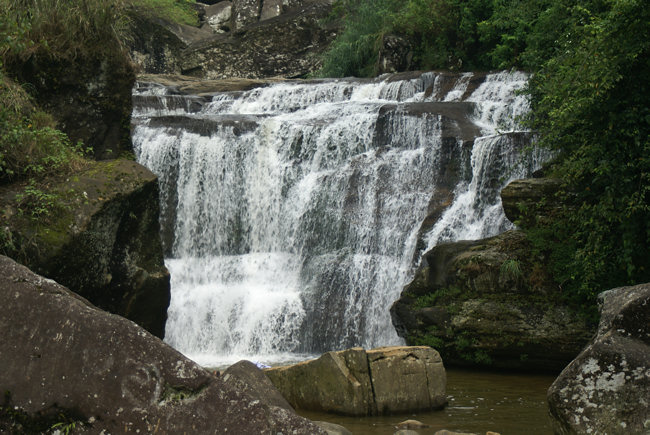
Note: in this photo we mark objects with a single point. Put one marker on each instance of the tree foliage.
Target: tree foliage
(590, 102)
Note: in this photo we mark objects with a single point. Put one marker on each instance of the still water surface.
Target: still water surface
(509, 404)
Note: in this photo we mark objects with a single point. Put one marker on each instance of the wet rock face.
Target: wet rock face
(606, 389)
(61, 354)
(489, 303)
(356, 382)
(104, 243)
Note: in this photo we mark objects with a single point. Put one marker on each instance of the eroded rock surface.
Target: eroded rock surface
(102, 241)
(60, 354)
(248, 378)
(488, 302)
(356, 382)
(606, 389)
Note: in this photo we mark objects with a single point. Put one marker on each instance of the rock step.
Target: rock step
(359, 382)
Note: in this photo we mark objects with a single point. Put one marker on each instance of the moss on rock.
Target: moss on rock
(102, 242)
(490, 303)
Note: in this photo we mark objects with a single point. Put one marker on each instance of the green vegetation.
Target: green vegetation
(590, 103)
(15, 420)
(510, 269)
(443, 34)
(430, 299)
(58, 34)
(178, 11)
(591, 64)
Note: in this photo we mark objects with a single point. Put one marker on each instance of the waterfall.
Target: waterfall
(293, 214)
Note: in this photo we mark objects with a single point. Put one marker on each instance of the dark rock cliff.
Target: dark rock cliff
(90, 98)
(101, 239)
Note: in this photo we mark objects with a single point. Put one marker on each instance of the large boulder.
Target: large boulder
(64, 360)
(100, 238)
(218, 16)
(491, 303)
(356, 382)
(606, 389)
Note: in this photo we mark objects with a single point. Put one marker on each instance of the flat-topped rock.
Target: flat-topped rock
(358, 382)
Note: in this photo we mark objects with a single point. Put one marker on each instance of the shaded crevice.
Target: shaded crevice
(373, 405)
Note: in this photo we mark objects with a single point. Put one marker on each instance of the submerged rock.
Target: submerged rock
(356, 382)
(606, 389)
(101, 239)
(62, 356)
(332, 428)
(488, 302)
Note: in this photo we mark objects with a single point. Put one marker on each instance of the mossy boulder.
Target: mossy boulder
(490, 303)
(98, 235)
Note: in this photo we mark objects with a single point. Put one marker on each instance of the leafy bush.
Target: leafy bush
(29, 145)
(443, 34)
(590, 103)
(354, 52)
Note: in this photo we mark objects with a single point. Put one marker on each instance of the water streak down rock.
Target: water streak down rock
(60, 354)
(358, 382)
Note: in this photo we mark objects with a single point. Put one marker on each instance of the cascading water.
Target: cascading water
(292, 213)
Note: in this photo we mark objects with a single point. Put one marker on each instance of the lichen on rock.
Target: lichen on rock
(606, 389)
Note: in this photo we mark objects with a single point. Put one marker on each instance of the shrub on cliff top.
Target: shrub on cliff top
(69, 29)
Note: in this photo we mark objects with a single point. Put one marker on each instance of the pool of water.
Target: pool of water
(509, 404)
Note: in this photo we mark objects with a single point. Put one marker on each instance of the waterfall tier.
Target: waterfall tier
(293, 214)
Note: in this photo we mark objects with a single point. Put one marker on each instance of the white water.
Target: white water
(296, 209)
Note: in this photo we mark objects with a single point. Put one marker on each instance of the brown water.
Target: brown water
(509, 404)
